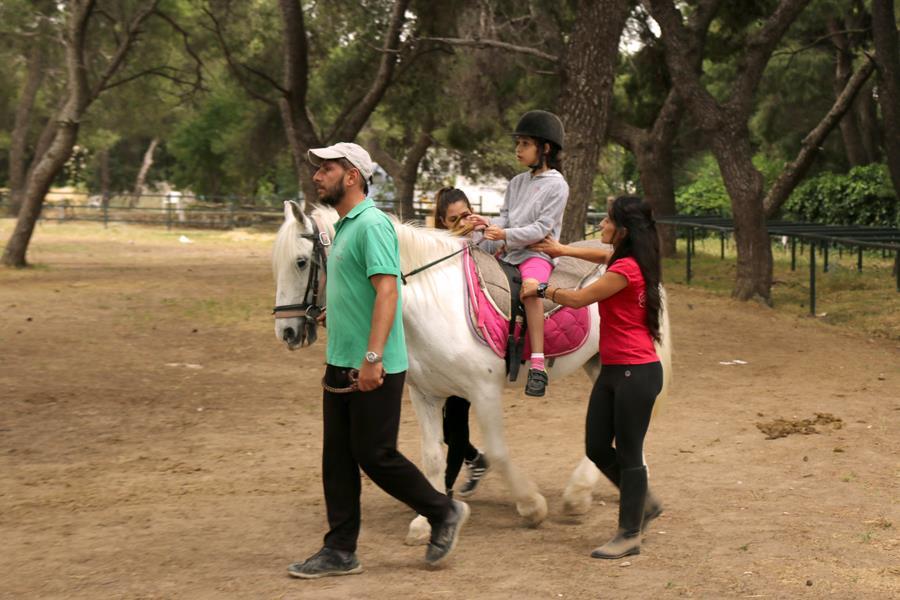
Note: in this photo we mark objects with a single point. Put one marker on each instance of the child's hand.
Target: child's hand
(494, 233)
(529, 289)
(548, 246)
(478, 222)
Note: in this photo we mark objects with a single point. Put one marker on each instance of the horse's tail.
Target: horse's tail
(664, 347)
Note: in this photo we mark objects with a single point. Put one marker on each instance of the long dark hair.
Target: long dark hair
(641, 242)
(442, 201)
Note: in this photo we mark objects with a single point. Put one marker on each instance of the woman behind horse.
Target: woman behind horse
(451, 209)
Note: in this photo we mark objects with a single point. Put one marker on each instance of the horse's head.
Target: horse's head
(299, 263)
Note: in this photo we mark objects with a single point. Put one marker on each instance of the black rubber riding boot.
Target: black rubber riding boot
(652, 506)
(627, 540)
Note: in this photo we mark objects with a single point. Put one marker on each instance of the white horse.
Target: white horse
(445, 359)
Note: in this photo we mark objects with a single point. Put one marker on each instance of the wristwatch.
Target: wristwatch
(373, 357)
(541, 290)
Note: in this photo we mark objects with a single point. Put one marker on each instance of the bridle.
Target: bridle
(313, 304)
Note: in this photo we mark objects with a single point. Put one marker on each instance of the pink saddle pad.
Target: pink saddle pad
(565, 329)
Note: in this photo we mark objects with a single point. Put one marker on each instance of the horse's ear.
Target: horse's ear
(293, 211)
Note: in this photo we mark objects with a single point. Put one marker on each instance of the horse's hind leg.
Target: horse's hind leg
(430, 416)
(529, 502)
(580, 489)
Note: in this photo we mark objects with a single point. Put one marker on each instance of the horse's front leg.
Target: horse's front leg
(532, 506)
(430, 415)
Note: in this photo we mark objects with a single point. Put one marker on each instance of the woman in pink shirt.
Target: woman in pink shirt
(630, 378)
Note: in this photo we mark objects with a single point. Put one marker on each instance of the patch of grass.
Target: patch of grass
(221, 311)
(866, 301)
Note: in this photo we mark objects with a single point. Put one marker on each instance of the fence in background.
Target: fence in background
(175, 210)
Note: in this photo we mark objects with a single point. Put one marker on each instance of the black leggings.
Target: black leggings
(620, 408)
(456, 436)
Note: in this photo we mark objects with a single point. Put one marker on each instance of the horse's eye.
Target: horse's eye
(301, 263)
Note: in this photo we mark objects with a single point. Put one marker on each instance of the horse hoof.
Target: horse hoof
(419, 532)
(577, 502)
(534, 511)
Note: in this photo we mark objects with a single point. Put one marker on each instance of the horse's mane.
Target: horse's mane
(421, 245)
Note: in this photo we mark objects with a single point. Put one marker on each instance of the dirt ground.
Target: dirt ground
(156, 441)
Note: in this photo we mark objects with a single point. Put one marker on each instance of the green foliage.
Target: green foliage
(201, 145)
(704, 192)
(864, 196)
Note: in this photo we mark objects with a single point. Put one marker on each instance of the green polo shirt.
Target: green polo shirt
(365, 244)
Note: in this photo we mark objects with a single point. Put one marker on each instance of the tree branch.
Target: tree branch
(296, 73)
(357, 118)
(485, 43)
(818, 41)
(390, 164)
(760, 47)
(130, 36)
(796, 169)
(625, 134)
(186, 40)
(684, 49)
(237, 68)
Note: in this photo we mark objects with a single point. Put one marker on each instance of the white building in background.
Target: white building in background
(486, 197)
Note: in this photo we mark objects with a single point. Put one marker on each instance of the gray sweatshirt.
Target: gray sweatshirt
(532, 209)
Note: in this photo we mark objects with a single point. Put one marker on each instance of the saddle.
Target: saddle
(497, 315)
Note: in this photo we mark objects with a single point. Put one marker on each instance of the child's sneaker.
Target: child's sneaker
(537, 383)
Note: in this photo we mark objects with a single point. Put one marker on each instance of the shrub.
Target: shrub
(863, 196)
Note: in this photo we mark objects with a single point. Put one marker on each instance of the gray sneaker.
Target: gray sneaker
(477, 468)
(445, 535)
(327, 562)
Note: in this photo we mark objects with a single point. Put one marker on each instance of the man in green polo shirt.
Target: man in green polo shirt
(365, 332)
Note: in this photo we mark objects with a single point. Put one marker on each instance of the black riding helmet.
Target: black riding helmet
(542, 125)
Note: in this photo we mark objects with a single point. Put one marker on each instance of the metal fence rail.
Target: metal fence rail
(817, 235)
(178, 210)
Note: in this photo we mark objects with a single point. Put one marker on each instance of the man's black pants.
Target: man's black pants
(361, 433)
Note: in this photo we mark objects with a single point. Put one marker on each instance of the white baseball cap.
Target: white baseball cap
(355, 153)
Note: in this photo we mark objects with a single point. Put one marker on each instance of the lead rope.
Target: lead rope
(434, 262)
(353, 376)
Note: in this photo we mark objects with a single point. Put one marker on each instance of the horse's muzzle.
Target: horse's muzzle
(305, 335)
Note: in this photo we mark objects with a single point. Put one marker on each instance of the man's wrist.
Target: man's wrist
(373, 357)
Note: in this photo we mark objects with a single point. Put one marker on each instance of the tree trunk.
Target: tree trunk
(19, 135)
(887, 60)
(655, 166)
(588, 73)
(404, 174)
(869, 128)
(406, 189)
(292, 105)
(61, 133)
(38, 185)
(745, 185)
(104, 176)
(142, 172)
(843, 70)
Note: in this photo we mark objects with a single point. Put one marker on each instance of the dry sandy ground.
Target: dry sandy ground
(156, 441)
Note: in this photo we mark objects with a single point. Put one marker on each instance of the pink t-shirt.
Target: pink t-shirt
(624, 336)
